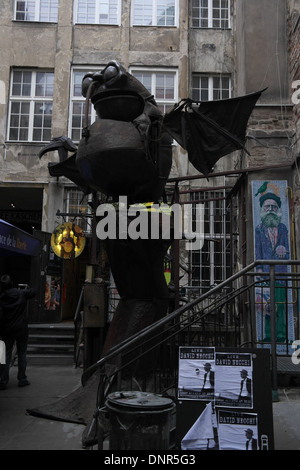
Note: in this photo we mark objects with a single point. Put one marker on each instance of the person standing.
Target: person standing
(251, 443)
(14, 328)
(245, 390)
(209, 378)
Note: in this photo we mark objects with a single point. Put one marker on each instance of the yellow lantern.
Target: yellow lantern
(68, 241)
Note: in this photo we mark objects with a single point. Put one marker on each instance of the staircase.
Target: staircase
(51, 344)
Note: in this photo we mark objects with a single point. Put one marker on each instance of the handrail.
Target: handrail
(200, 316)
(137, 337)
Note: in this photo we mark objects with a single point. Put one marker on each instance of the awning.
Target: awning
(14, 241)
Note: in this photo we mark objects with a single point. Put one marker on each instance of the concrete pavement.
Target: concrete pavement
(20, 431)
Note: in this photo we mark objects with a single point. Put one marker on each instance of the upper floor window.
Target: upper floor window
(211, 14)
(77, 108)
(30, 106)
(162, 84)
(155, 12)
(36, 10)
(98, 11)
(207, 88)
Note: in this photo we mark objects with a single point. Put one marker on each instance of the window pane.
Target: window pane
(145, 79)
(13, 134)
(15, 107)
(24, 121)
(38, 120)
(210, 14)
(46, 134)
(21, 84)
(25, 11)
(19, 119)
(143, 12)
(108, 12)
(23, 134)
(37, 135)
(44, 84)
(77, 79)
(207, 88)
(164, 86)
(42, 120)
(14, 120)
(25, 108)
(165, 15)
(49, 10)
(86, 11)
(200, 90)
(77, 121)
(161, 85)
(20, 11)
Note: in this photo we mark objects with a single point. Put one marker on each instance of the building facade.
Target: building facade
(203, 49)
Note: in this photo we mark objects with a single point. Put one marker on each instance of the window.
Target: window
(162, 84)
(211, 14)
(211, 264)
(77, 108)
(37, 10)
(98, 11)
(207, 88)
(154, 12)
(76, 203)
(30, 106)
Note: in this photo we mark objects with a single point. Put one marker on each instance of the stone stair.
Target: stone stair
(51, 344)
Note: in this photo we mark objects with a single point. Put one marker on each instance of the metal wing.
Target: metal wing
(210, 130)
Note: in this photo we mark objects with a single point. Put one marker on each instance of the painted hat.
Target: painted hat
(270, 196)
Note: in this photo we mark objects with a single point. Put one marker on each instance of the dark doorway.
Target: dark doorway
(22, 207)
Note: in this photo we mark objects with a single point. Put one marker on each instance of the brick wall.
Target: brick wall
(294, 62)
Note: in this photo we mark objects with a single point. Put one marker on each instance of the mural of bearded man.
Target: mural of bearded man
(271, 236)
(272, 243)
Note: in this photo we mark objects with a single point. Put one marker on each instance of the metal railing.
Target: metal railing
(148, 360)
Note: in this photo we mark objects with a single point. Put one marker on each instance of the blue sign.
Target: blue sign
(14, 240)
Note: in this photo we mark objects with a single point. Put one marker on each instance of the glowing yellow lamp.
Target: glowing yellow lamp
(68, 241)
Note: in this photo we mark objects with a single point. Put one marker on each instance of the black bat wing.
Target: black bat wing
(211, 129)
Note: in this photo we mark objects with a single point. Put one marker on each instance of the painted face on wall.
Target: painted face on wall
(270, 213)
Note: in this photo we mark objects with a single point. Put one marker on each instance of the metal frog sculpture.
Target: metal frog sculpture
(128, 152)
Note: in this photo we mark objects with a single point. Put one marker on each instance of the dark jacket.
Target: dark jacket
(13, 312)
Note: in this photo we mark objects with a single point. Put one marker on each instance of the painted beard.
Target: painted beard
(270, 219)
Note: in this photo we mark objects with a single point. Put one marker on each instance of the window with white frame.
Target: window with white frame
(36, 10)
(154, 13)
(210, 14)
(98, 11)
(210, 87)
(77, 108)
(162, 84)
(75, 203)
(30, 106)
(211, 264)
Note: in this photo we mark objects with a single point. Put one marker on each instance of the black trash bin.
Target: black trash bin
(139, 421)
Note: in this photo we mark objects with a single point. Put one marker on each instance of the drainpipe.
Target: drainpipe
(273, 333)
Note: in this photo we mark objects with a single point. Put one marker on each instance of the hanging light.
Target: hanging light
(68, 241)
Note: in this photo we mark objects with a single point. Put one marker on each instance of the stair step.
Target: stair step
(51, 344)
(59, 337)
(49, 359)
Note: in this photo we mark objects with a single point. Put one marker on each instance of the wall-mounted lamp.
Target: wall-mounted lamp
(68, 241)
